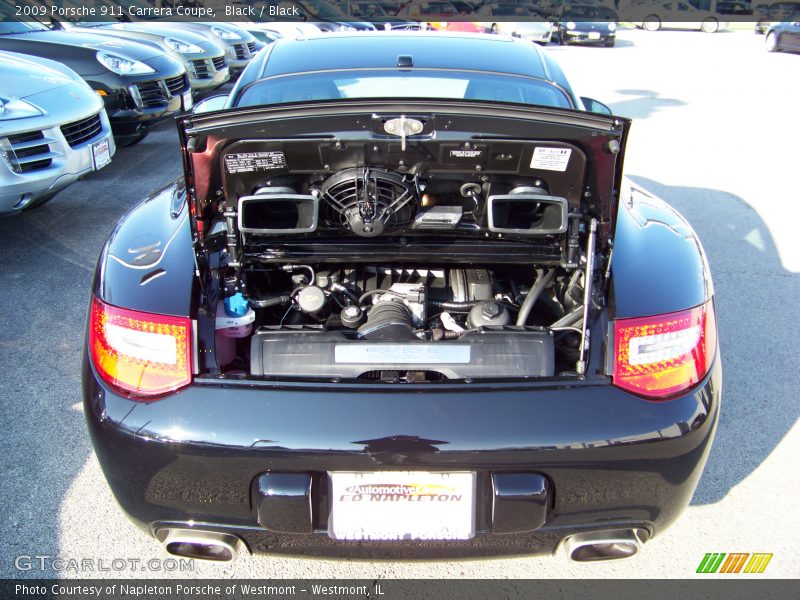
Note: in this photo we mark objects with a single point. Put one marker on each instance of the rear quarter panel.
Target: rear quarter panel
(658, 264)
(148, 261)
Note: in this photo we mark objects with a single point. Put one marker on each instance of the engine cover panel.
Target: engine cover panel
(484, 353)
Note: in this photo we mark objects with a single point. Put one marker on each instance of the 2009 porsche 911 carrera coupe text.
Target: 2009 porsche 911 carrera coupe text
(403, 303)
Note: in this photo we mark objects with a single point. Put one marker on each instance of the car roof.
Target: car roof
(433, 50)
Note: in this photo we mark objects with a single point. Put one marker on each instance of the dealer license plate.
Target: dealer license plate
(593, 35)
(188, 103)
(393, 505)
(101, 154)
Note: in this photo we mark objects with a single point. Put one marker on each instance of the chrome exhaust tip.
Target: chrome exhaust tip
(610, 544)
(202, 545)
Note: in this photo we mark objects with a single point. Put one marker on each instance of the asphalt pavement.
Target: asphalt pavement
(715, 130)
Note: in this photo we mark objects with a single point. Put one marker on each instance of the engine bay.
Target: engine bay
(376, 275)
(443, 255)
(391, 323)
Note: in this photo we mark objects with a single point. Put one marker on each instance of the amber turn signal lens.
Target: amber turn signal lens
(140, 353)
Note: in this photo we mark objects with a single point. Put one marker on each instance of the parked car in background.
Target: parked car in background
(264, 35)
(283, 29)
(734, 8)
(784, 36)
(203, 57)
(328, 16)
(513, 19)
(373, 12)
(777, 12)
(239, 45)
(437, 14)
(761, 12)
(585, 24)
(380, 315)
(676, 15)
(53, 130)
(139, 83)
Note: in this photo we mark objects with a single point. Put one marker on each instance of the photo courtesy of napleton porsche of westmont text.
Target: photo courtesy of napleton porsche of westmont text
(354, 298)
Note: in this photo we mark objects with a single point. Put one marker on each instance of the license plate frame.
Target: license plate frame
(594, 35)
(402, 505)
(101, 154)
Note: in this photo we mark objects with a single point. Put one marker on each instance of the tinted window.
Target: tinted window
(391, 84)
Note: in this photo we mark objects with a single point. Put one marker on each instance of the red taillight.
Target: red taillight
(140, 353)
(659, 357)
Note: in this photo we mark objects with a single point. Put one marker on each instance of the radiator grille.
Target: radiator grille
(80, 131)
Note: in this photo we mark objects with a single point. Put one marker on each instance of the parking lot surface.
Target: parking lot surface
(715, 133)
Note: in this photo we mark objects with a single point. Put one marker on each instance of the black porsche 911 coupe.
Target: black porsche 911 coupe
(403, 303)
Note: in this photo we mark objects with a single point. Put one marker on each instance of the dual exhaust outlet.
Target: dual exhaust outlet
(609, 544)
(582, 547)
(202, 545)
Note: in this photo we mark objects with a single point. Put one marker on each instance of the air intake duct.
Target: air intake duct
(388, 321)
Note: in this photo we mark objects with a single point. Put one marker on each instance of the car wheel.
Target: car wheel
(495, 29)
(651, 23)
(772, 42)
(610, 43)
(710, 26)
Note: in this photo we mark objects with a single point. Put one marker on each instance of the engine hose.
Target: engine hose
(570, 318)
(268, 302)
(438, 334)
(366, 295)
(338, 287)
(454, 307)
(533, 295)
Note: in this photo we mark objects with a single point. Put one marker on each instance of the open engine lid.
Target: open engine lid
(232, 154)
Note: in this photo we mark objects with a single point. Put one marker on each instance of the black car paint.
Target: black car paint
(78, 51)
(609, 458)
(199, 453)
(658, 262)
(629, 469)
(148, 261)
(584, 28)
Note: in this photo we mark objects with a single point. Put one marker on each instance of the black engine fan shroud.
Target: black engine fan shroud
(369, 201)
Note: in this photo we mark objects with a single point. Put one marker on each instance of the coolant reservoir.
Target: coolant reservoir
(234, 320)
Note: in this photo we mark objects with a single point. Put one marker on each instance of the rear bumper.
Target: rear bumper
(610, 459)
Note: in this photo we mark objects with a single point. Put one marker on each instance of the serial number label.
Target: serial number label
(253, 162)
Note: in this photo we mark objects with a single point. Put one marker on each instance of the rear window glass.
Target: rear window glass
(391, 84)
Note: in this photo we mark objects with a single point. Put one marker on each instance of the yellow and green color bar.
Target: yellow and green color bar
(720, 562)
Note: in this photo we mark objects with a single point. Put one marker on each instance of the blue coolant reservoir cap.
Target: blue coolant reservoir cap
(236, 305)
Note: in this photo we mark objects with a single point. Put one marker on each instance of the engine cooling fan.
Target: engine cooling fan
(369, 201)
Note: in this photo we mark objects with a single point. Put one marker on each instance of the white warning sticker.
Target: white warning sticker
(550, 159)
(252, 162)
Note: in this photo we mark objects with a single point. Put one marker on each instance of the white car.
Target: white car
(676, 15)
(53, 130)
(286, 29)
(513, 19)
